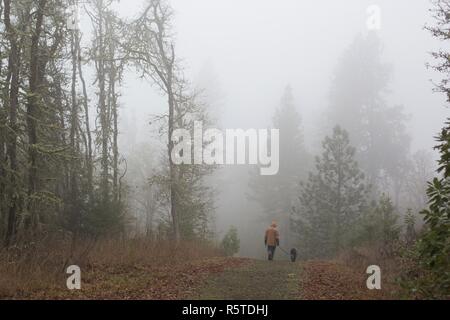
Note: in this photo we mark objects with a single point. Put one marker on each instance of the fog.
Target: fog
(243, 54)
(173, 149)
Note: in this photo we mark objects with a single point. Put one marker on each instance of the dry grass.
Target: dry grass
(40, 266)
(358, 259)
(144, 252)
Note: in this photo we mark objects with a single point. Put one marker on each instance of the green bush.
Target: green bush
(430, 275)
(380, 226)
(230, 242)
(104, 218)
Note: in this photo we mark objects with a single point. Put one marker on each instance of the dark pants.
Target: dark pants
(271, 252)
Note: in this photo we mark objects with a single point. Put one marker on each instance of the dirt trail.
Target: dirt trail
(283, 280)
(256, 280)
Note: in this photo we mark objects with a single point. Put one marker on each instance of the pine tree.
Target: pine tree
(358, 104)
(276, 194)
(331, 200)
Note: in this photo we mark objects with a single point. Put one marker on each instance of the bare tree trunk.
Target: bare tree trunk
(89, 159)
(32, 117)
(115, 144)
(74, 194)
(13, 98)
(112, 103)
(3, 158)
(104, 119)
(64, 184)
(172, 168)
(169, 66)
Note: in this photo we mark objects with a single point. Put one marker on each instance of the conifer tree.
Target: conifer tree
(331, 200)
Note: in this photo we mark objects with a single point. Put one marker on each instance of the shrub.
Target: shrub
(430, 275)
(231, 243)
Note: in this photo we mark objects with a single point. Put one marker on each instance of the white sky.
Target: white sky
(257, 47)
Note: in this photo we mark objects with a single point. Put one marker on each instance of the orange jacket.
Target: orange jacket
(272, 237)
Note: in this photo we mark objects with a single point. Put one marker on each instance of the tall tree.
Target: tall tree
(33, 104)
(75, 210)
(108, 61)
(358, 104)
(99, 47)
(3, 119)
(276, 194)
(11, 103)
(152, 49)
(195, 198)
(89, 155)
(332, 200)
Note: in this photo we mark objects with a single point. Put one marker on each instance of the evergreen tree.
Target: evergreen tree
(358, 104)
(276, 194)
(331, 200)
(380, 227)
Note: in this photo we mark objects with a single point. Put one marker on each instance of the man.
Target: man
(272, 240)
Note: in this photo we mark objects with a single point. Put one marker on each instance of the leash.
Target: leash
(293, 256)
(284, 251)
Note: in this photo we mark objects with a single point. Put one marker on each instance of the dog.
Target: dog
(293, 254)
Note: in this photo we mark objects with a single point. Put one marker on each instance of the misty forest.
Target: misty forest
(94, 92)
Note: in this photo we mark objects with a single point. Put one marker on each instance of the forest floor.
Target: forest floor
(219, 278)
